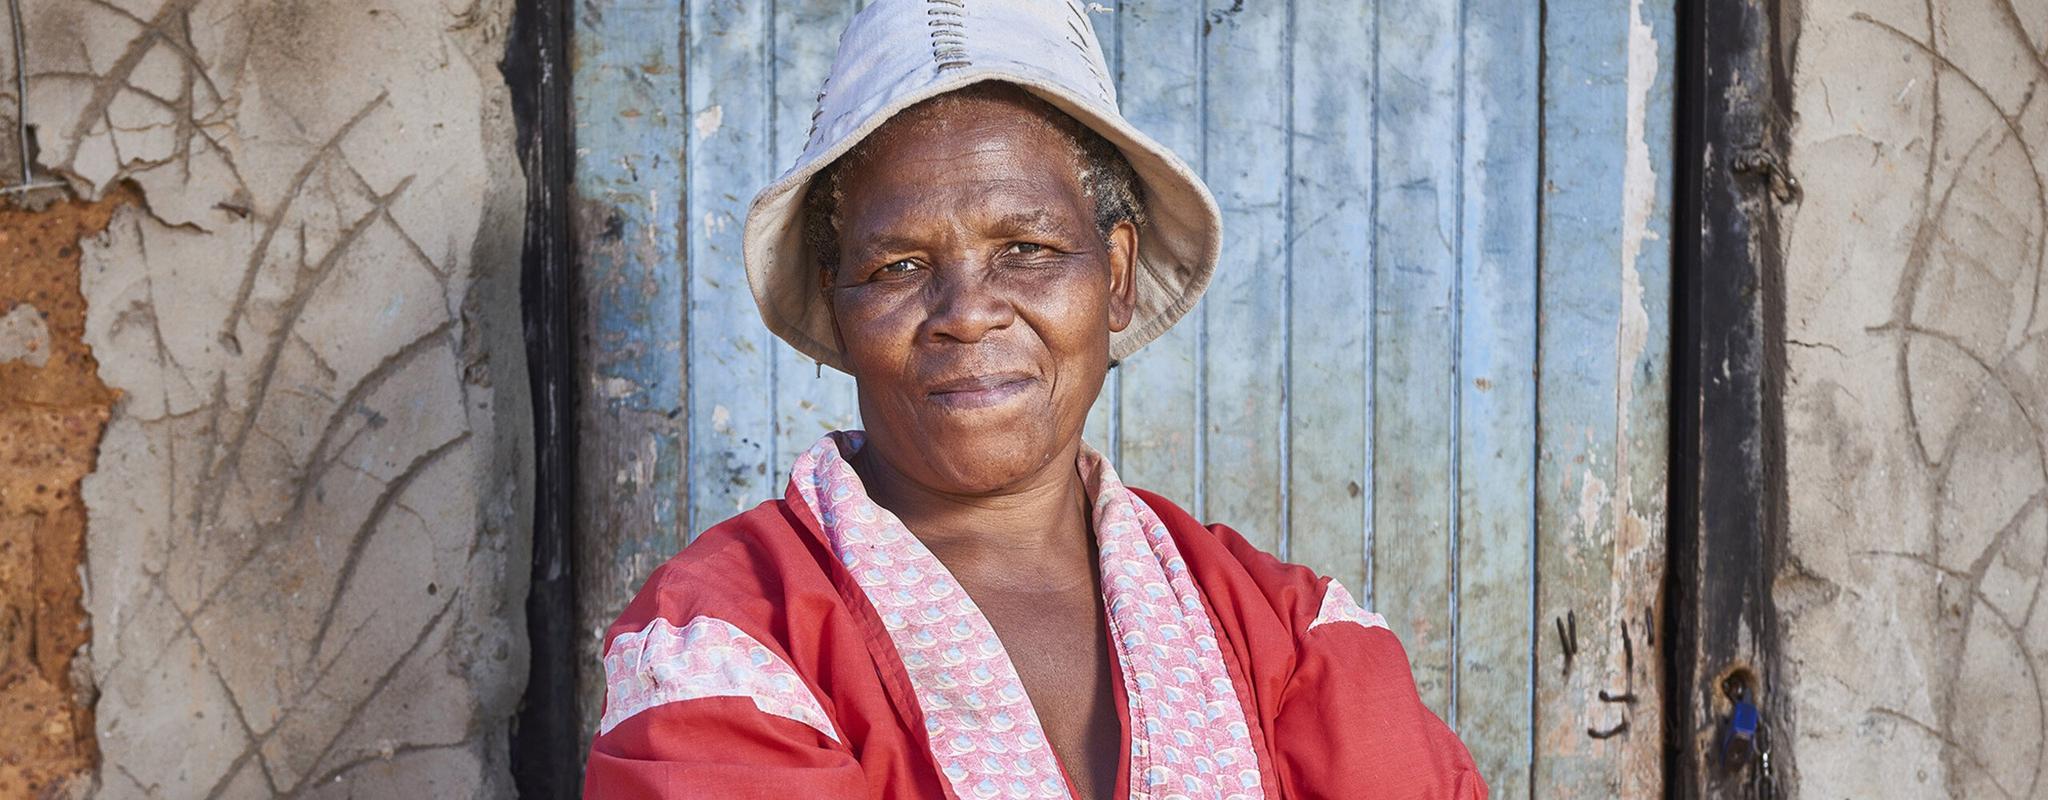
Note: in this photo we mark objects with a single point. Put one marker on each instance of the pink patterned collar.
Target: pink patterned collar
(1187, 729)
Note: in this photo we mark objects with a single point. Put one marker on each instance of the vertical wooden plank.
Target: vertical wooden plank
(1603, 396)
(808, 401)
(732, 403)
(1101, 431)
(1159, 89)
(1331, 230)
(1244, 322)
(1416, 267)
(1496, 412)
(1644, 453)
(626, 103)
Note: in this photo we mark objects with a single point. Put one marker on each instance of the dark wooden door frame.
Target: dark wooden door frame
(547, 761)
(1727, 459)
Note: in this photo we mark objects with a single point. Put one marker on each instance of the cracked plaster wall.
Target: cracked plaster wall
(306, 532)
(1917, 399)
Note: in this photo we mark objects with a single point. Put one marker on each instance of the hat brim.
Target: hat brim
(1177, 246)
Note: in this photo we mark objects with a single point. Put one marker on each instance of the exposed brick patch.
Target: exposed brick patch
(53, 409)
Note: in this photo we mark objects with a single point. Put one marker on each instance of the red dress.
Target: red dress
(772, 659)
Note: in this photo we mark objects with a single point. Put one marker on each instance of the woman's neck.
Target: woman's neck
(1031, 536)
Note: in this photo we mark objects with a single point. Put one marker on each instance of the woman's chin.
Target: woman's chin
(982, 462)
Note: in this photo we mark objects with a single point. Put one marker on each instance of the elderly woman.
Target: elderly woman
(963, 601)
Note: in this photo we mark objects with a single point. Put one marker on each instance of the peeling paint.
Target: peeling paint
(632, 483)
(707, 121)
(1602, 526)
(619, 388)
(1639, 194)
(1637, 531)
(1593, 500)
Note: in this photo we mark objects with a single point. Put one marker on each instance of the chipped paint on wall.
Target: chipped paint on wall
(1639, 496)
(1604, 404)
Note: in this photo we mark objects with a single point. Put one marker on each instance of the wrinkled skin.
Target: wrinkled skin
(974, 301)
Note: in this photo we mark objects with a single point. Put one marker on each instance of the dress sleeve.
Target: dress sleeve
(705, 710)
(1351, 723)
(1348, 722)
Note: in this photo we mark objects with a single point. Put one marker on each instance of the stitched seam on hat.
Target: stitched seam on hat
(949, 39)
(1087, 56)
(819, 110)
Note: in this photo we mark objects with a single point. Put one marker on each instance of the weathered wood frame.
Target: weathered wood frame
(546, 759)
(1728, 504)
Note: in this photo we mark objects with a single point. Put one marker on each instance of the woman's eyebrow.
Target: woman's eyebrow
(1034, 221)
(885, 244)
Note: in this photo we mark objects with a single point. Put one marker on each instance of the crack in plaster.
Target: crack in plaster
(1938, 660)
(309, 512)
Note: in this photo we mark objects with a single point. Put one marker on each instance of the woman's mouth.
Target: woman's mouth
(980, 391)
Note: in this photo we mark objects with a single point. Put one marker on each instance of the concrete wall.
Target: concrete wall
(305, 532)
(1917, 399)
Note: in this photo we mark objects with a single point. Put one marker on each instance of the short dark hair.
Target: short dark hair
(1106, 177)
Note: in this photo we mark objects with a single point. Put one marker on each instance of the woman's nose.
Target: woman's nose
(965, 306)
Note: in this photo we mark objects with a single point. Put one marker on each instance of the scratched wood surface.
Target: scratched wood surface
(1603, 395)
(631, 483)
(1495, 301)
(1416, 268)
(1377, 385)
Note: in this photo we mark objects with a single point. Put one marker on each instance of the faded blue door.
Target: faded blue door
(1432, 363)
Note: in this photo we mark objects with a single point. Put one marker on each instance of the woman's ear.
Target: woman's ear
(828, 275)
(1123, 275)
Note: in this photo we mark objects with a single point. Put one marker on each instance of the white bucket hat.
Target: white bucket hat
(896, 53)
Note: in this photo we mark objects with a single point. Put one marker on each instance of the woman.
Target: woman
(963, 600)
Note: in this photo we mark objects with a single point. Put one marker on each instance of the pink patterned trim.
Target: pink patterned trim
(981, 725)
(708, 657)
(1339, 607)
(1188, 731)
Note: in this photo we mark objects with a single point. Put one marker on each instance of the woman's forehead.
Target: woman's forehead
(998, 169)
(986, 115)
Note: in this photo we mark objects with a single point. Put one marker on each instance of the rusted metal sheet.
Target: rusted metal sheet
(1603, 396)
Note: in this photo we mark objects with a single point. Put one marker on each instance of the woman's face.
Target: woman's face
(975, 297)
